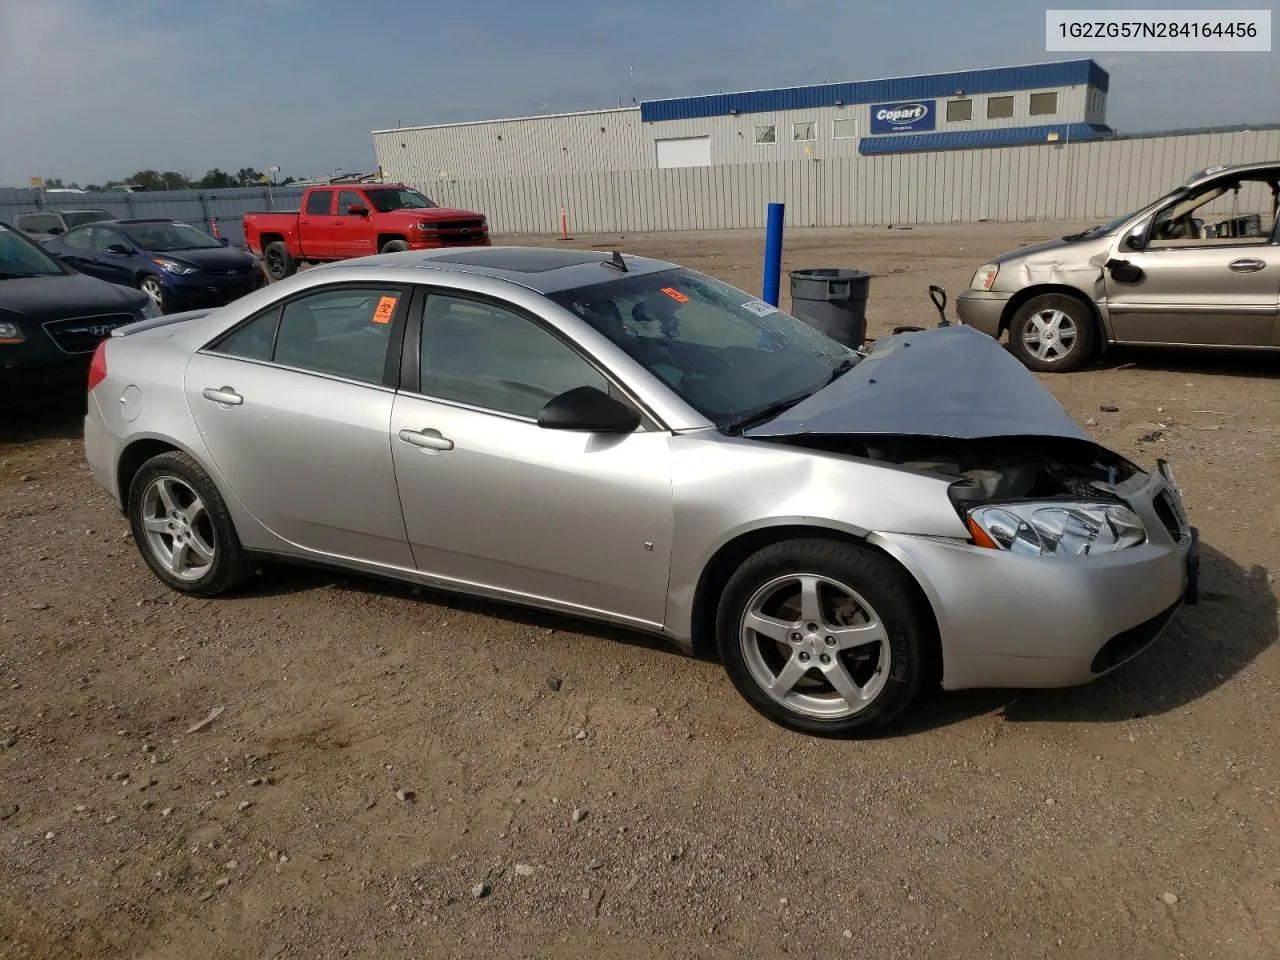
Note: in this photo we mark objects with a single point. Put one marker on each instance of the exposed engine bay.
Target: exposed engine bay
(994, 468)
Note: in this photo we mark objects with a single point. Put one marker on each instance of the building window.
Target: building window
(803, 130)
(959, 110)
(767, 134)
(1044, 104)
(999, 108)
(844, 129)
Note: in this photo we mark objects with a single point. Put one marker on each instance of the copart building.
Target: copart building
(1006, 106)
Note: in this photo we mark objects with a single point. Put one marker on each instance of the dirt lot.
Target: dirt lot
(642, 809)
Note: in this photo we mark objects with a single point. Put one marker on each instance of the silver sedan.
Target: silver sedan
(623, 439)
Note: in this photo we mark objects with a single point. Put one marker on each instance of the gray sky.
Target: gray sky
(92, 90)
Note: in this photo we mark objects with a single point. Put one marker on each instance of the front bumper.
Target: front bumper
(437, 242)
(197, 292)
(982, 310)
(1024, 622)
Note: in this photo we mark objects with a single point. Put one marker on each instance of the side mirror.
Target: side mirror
(119, 248)
(1124, 271)
(588, 410)
(358, 210)
(225, 241)
(1137, 238)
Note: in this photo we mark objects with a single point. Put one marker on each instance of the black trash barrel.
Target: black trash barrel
(833, 301)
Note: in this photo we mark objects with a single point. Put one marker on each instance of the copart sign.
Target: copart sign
(907, 117)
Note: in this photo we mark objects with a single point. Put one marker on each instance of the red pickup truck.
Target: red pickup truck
(358, 220)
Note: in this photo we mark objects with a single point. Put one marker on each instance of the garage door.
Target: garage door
(684, 152)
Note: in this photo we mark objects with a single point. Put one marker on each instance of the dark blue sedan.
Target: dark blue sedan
(176, 265)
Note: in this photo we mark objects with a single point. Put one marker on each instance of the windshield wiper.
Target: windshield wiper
(734, 427)
(844, 367)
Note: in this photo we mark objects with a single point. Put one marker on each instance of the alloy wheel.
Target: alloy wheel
(815, 646)
(1050, 335)
(179, 530)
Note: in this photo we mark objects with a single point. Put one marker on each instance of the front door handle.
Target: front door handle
(1247, 265)
(426, 439)
(222, 395)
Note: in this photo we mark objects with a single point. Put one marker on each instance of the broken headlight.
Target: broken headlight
(1056, 528)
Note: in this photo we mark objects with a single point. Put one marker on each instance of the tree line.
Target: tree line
(214, 179)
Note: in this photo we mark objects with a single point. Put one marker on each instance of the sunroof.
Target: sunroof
(523, 260)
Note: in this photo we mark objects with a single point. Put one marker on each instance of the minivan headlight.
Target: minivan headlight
(985, 277)
(1056, 528)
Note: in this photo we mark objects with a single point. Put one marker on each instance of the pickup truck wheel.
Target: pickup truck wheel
(394, 246)
(279, 261)
(1053, 333)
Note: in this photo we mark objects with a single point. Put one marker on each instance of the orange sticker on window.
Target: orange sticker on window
(386, 307)
(675, 294)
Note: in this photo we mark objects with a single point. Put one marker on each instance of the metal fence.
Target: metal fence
(1051, 181)
(198, 207)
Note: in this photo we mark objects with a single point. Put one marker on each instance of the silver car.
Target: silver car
(1199, 267)
(622, 439)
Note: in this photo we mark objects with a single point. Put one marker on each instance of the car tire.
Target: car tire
(395, 246)
(874, 650)
(1053, 333)
(183, 529)
(278, 261)
(153, 287)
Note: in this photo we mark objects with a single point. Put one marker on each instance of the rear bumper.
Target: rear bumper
(982, 310)
(101, 449)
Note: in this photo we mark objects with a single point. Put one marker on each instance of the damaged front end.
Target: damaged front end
(1026, 495)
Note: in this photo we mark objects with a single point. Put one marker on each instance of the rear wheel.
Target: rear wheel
(153, 288)
(279, 261)
(825, 637)
(395, 246)
(182, 527)
(1053, 333)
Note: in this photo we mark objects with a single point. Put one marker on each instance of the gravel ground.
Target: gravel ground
(392, 773)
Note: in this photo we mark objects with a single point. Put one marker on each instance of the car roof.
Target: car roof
(1225, 169)
(37, 213)
(541, 269)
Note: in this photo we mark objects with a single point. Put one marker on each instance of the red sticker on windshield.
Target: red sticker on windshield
(386, 307)
(675, 294)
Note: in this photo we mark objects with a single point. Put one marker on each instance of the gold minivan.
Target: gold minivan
(1199, 267)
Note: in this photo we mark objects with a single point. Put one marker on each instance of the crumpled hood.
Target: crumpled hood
(945, 382)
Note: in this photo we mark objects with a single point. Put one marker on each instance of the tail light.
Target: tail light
(98, 366)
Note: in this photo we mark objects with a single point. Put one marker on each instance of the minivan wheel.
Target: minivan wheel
(1053, 333)
(182, 527)
(824, 637)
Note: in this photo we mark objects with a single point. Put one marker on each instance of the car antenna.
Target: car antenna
(617, 262)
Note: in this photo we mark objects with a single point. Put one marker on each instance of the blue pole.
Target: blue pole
(773, 254)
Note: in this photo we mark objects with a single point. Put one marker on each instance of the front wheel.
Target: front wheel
(153, 288)
(182, 527)
(825, 637)
(1053, 333)
(395, 246)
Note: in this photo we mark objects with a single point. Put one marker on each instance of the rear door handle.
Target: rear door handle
(222, 395)
(426, 439)
(1247, 265)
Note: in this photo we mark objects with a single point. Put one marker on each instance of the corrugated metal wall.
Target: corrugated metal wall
(1094, 181)
(611, 140)
(197, 207)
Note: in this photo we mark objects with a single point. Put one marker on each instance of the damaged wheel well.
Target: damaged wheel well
(731, 556)
(1022, 296)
